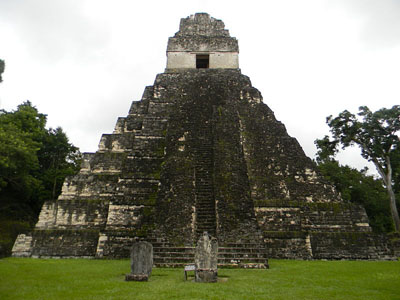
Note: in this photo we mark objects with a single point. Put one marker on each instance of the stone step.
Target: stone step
(171, 254)
(205, 196)
(205, 224)
(205, 221)
(169, 264)
(222, 266)
(243, 246)
(205, 213)
(222, 261)
(206, 210)
(242, 250)
(173, 249)
(243, 255)
(223, 251)
(205, 216)
(208, 230)
(180, 262)
(211, 230)
(175, 259)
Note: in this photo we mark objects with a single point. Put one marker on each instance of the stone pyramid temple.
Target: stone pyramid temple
(201, 152)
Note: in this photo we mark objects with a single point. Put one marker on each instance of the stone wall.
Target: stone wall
(58, 243)
(288, 244)
(74, 214)
(187, 60)
(201, 34)
(297, 216)
(320, 231)
(350, 245)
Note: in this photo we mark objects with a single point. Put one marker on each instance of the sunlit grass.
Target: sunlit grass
(286, 279)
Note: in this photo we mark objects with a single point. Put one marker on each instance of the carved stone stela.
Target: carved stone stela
(199, 152)
(206, 259)
(141, 262)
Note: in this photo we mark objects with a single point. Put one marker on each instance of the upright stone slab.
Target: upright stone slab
(206, 259)
(141, 262)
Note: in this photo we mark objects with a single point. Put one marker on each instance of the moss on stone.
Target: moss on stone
(285, 234)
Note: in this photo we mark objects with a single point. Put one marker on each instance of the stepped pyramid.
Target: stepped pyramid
(201, 152)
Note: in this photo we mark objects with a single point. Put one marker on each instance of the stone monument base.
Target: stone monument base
(206, 275)
(136, 277)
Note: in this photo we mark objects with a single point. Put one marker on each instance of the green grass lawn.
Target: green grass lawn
(24, 278)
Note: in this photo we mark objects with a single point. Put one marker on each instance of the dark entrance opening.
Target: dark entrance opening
(202, 61)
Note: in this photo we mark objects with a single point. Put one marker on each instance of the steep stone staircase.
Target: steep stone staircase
(204, 190)
(244, 254)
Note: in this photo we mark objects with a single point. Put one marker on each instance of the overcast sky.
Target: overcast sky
(82, 62)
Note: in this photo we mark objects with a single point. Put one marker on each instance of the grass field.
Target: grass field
(24, 278)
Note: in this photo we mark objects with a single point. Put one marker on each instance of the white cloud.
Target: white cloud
(52, 30)
(381, 21)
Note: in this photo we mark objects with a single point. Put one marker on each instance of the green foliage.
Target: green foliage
(57, 160)
(286, 279)
(358, 187)
(34, 162)
(21, 133)
(376, 133)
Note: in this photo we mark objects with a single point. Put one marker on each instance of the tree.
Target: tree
(33, 161)
(355, 186)
(57, 160)
(376, 133)
(21, 133)
(2, 67)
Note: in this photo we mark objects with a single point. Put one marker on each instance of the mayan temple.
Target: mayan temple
(201, 152)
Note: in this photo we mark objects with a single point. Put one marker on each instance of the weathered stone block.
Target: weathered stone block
(22, 246)
(206, 259)
(141, 262)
